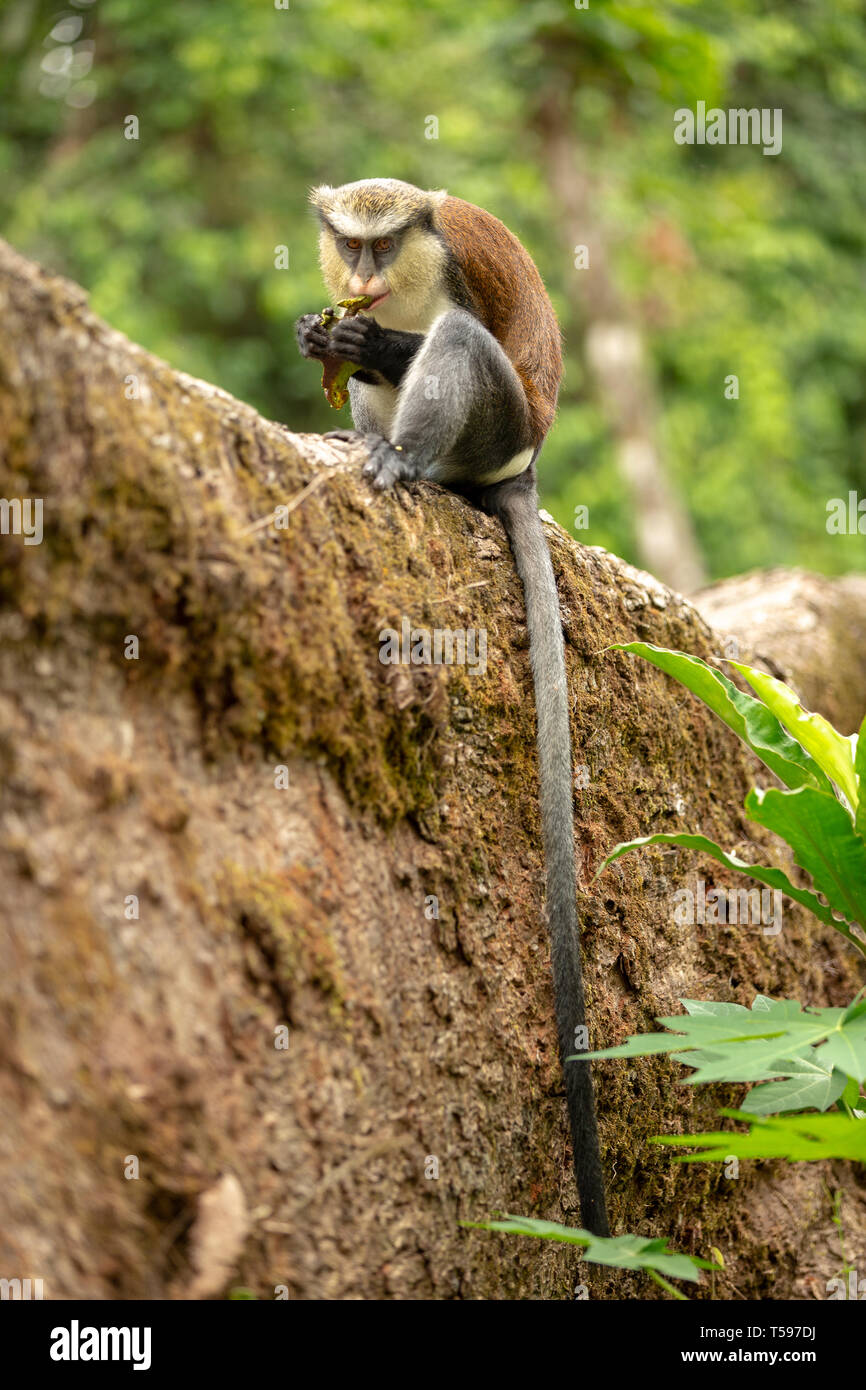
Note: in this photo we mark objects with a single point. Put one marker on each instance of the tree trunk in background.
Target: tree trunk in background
(665, 538)
(226, 826)
(807, 630)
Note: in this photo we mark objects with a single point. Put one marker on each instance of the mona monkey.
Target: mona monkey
(460, 368)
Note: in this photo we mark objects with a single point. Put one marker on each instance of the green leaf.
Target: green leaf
(808, 1086)
(827, 746)
(774, 878)
(825, 843)
(621, 1252)
(860, 774)
(851, 1094)
(846, 1047)
(759, 1044)
(784, 1008)
(798, 1138)
(638, 1045)
(712, 1006)
(745, 1061)
(749, 719)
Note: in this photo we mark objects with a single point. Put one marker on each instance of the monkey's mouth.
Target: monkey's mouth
(377, 302)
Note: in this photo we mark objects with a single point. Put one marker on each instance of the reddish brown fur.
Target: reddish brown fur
(510, 300)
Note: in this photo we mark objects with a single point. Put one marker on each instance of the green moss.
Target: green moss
(257, 630)
(282, 914)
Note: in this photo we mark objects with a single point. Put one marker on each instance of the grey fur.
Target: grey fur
(518, 509)
(460, 412)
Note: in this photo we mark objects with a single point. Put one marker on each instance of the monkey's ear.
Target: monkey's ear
(321, 197)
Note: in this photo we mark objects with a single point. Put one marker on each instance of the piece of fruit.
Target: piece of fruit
(336, 370)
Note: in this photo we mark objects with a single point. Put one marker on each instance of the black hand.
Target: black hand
(385, 350)
(313, 337)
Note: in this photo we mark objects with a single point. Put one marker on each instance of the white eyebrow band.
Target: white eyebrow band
(366, 229)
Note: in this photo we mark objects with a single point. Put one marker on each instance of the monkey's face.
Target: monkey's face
(357, 264)
(378, 237)
(402, 270)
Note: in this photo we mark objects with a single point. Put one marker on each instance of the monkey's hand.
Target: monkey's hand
(384, 350)
(314, 340)
(357, 339)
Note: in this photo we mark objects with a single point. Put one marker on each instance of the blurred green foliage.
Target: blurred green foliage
(731, 261)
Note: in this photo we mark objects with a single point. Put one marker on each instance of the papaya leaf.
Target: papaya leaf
(827, 746)
(825, 843)
(851, 1095)
(795, 1082)
(806, 1086)
(622, 1252)
(845, 1048)
(774, 878)
(758, 1059)
(798, 1138)
(749, 719)
(757, 1044)
(744, 1062)
(786, 1008)
(860, 774)
(712, 1006)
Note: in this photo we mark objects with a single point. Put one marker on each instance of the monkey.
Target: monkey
(460, 365)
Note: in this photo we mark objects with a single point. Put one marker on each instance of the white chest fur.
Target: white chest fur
(374, 407)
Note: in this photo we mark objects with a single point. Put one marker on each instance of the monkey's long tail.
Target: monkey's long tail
(518, 511)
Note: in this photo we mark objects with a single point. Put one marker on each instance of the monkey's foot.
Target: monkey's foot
(388, 464)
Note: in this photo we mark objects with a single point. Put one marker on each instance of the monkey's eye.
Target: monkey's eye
(383, 244)
(353, 243)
